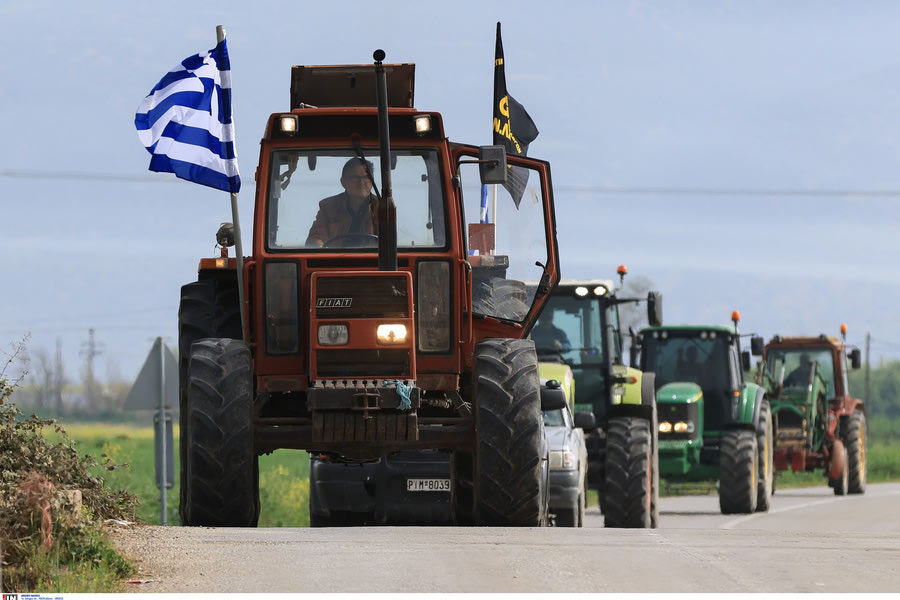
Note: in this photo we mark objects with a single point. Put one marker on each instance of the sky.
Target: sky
(739, 155)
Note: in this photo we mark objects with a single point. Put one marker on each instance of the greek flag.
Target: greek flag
(185, 122)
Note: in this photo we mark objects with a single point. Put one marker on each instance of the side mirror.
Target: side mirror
(855, 361)
(654, 309)
(584, 419)
(492, 164)
(757, 345)
(552, 396)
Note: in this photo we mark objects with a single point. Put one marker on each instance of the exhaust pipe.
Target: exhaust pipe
(387, 212)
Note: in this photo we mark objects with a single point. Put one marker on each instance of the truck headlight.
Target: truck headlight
(563, 460)
(333, 335)
(391, 334)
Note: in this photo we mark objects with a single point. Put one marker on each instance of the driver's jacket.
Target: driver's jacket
(336, 217)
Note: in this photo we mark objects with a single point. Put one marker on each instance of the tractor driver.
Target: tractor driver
(352, 212)
(690, 368)
(549, 338)
(800, 376)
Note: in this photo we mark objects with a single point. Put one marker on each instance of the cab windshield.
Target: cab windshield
(325, 199)
(701, 358)
(797, 366)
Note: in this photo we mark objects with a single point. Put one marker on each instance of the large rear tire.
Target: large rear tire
(510, 474)
(208, 309)
(629, 475)
(765, 449)
(738, 468)
(222, 480)
(855, 448)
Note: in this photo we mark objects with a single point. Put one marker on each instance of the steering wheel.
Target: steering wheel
(352, 240)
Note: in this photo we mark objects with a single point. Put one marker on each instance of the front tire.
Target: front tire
(510, 480)
(222, 483)
(738, 468)
(629, 473)
(765, 449)
(855, 448)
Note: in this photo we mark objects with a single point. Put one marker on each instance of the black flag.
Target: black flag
(513, 127)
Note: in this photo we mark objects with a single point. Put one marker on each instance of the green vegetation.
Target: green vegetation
(283, 475)
(51, 541)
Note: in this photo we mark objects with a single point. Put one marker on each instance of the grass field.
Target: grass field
(284, 474)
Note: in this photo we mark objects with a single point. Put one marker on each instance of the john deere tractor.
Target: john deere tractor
(580, 327)
(713, 425)
(817, 423)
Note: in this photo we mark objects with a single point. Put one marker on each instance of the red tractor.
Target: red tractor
(817, 423)
(401, 327)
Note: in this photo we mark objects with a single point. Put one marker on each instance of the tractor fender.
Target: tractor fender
(751, 400)
(640, 397)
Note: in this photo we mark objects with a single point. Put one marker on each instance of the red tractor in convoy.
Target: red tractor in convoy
(817, 423)
(403, 328)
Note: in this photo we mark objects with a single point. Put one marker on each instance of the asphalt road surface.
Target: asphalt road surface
(810, 541)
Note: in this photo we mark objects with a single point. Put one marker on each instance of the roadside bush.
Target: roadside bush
(48, 536)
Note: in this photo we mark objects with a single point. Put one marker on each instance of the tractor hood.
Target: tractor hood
(679, 392)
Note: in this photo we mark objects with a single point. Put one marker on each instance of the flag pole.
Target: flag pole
(235, 218)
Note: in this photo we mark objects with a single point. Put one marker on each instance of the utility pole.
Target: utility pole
(90, 353)
(58, 378)
(868, 339)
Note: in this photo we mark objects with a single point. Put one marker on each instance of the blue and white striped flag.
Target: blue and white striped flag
(185, 122)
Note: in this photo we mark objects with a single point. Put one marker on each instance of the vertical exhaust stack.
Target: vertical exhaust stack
(387, 212)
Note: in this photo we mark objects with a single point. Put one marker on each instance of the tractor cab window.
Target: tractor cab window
(702, 358)
(569, 331)
(794, 366)
(326, 199)
(506, 234)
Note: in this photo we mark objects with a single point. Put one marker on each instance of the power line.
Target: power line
(73, 175)
(699, 191)
(582, 189)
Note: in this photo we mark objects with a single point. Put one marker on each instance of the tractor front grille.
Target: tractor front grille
(361, 297)
(353, 363)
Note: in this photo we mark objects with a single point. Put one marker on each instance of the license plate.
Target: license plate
(427, 485)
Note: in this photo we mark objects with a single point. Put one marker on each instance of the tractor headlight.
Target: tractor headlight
(333, 335)
(423, 124)
(563, 460)
(289, 124)
(391, 334)
(683, 427)
(665, 427)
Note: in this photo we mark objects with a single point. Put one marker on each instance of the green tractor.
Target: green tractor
(817, 423)
(579, 326)
(713, 425)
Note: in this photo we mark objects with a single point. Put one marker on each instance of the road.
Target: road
(810, 541)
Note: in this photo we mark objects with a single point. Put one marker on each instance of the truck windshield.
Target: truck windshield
(325, 199)
(797, 365)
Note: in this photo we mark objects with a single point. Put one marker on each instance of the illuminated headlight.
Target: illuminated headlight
(581, 291)
(563, 460)
(333, 335)
(289, 124)
(665, 427)
(683, 427)
(423, 124)
(391, 334)
(599, 290)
